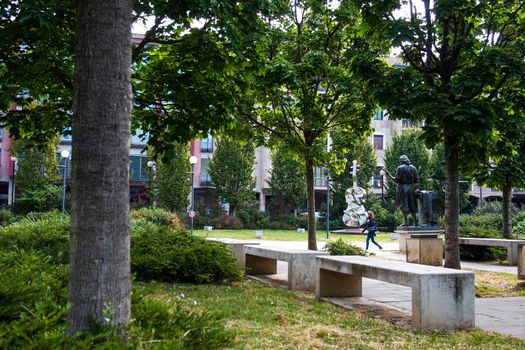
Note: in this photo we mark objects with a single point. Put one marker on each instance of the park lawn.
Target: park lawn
(268, 317)
(286, 235)
(498, 284)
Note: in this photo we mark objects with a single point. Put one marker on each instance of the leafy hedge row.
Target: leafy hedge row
(33, 288)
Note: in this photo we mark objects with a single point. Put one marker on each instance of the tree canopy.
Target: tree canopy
(445, 45)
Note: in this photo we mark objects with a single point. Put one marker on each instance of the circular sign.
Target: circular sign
(192, 214)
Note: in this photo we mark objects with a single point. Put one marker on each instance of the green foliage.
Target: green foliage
(387, 219)
(252, 217)
(287, 178)
(39, 199)
(519, 230)
(172, 184)
(37, 164)
(33, 298)
(492, 207)
(48, 235)
(6, 217)
(159, 253)
(157, 216)
(231, 172)
(340, 247)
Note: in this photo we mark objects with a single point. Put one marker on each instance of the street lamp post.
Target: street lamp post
(65, 155)
(14, 160)
(191, 214)
(382, 173)
(153, 172)
(327, 204)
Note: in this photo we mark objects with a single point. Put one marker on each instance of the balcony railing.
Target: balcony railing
(205, 180)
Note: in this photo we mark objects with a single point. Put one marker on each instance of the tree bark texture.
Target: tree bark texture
(507, 217)
(452, 202)
(99, 279)
(310, 200)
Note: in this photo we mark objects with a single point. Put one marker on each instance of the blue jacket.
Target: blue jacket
(371, 226)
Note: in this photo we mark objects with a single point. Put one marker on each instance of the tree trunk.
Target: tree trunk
(452, 202)
(507, 217)
(99, 278)
(310, 200)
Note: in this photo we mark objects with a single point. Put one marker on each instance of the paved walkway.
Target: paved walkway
(499, 315)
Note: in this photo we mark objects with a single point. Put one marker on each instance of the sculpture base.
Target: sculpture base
(425, 249)
(406, 232)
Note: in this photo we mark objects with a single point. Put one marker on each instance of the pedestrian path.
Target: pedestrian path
(499, 315)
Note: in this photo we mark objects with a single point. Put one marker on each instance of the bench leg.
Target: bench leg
(512, 254)
(336, 284)
(258, 265)
(521, 262)
(302, 271)
(444, 302)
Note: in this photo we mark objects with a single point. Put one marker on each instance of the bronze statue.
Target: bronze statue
(406, 177)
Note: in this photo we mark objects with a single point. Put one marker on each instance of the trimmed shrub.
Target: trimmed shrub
(340, 247)
(33, 299)
(159, 253)
(6, 217)
(280, 225)
(228, 221)
(39, 199)
(48, 234)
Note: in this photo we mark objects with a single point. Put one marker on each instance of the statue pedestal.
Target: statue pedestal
(405, 232)
(425, 249)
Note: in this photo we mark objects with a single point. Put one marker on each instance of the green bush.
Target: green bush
(41, 199)
(162, 254)
(48, 234)
(340, 247)
(228, 221)
(519, 229)
(494, 207)
(251, 217)
(33, 299)
(6, 217)
(280, 225)
(384, 218)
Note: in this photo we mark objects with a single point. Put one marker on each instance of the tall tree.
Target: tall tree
(287, 181)
(173, 183)
(99, 278)
(37, 163)
(446, 44)
(231, 171)
(506, 168)
(306, 88)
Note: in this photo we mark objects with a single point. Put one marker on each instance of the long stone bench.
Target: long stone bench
(510, 244)
(441, 298)
(302, 265)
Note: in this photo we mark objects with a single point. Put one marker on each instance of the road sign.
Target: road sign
(191, 214)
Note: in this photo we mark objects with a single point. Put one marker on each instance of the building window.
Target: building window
(378, 141)
(207, 144)
(407, 123)
(378, 115)
(138, 169)
(319, 177)
(204, 177)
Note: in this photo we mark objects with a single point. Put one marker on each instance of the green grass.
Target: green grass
(267, 317)
(286, 235)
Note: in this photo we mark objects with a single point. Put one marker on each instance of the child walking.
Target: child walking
(371, 226)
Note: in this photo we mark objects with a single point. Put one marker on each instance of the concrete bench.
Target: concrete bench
(441, 298)
(302, 265)
(510, 244)
(236, 246)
